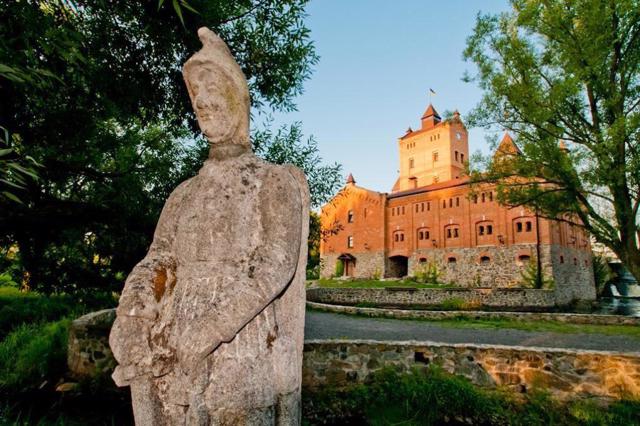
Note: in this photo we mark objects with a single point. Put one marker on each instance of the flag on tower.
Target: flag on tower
(431, 91)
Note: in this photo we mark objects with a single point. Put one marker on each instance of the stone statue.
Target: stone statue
(210, 324)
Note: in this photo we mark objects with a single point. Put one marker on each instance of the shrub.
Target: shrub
(431, 397)
(33, 354)
(339, 269)
(427, 273)
(453, 304)
(602, 274)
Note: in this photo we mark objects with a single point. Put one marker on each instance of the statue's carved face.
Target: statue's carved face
(216, 103)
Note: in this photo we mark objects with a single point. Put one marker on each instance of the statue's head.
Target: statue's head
(219, 95)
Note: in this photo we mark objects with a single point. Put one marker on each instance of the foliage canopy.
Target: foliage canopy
(566, 71)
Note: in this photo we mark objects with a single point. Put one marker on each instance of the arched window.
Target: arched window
(524, 258)
(451, 260)
(485, 259)
(561, 259)
(423, 260)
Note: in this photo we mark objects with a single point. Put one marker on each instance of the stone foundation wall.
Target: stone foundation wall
(565, 374)
(504, 269)
(516, 298)
(368, 265)
(573, 274)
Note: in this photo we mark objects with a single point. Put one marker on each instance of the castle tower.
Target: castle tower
(437, 152)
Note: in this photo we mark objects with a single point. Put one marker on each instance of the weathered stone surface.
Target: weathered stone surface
(566, 374)
(88, 350)
(210, 324)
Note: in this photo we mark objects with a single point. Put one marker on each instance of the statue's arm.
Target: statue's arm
(284, 204)
(138, 306)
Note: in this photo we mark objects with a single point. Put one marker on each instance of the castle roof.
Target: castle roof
(507, 147)
(433, 187)
(430, 112)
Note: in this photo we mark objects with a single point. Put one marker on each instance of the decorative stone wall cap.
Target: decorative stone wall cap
(474, 346)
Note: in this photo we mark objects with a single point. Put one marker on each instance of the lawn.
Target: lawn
(373, 283)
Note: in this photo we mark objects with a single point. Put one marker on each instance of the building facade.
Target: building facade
(434, 217)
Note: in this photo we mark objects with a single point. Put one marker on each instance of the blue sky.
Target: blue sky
(378, 60)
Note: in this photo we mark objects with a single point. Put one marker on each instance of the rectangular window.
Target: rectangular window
(528, 226)
(444, 204)
(417, 207)
(449, 233)
(401, 237)
(461, 158)
(456, 155)
(402, 209)
(491, 196)
(483, 197)
(350, 241)
(475, 199)
(450, 202)
(455, 232)
(480, 230)
(426, 235)
(435, 157)
(457, 201)
(350, 216)
(365, 212)
(411, 163)
(428, 205)
(489, 229)
(421, 206)
(519, 227)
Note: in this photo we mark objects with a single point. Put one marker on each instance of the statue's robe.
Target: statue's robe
(210, 324)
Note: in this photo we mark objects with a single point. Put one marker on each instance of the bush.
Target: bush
(33, 355)
(427, 273)
(339, 269)
(431, 397)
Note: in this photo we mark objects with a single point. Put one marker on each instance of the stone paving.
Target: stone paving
(323, 325)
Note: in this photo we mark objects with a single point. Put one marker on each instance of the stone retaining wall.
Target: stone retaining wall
(516, 298)
(566, 374)
(88, 350)
(485, 315)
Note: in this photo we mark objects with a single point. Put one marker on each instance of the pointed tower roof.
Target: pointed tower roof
(430, 112)
(430, 117)
(507, 147)
(351, 180)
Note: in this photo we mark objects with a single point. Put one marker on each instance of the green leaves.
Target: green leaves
(553, 71)
(15, 170)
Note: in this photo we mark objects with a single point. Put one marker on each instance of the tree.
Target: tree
(563, 77)
(110, 121)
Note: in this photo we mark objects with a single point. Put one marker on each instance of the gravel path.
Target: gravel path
(325, 325)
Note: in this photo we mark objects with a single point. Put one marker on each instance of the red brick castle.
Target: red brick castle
(432, 216)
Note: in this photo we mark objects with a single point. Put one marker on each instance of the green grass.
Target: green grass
(432, 397)
(371, 283)
(17, 307)
(33, 356)
(541, 326)
(464, 321)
